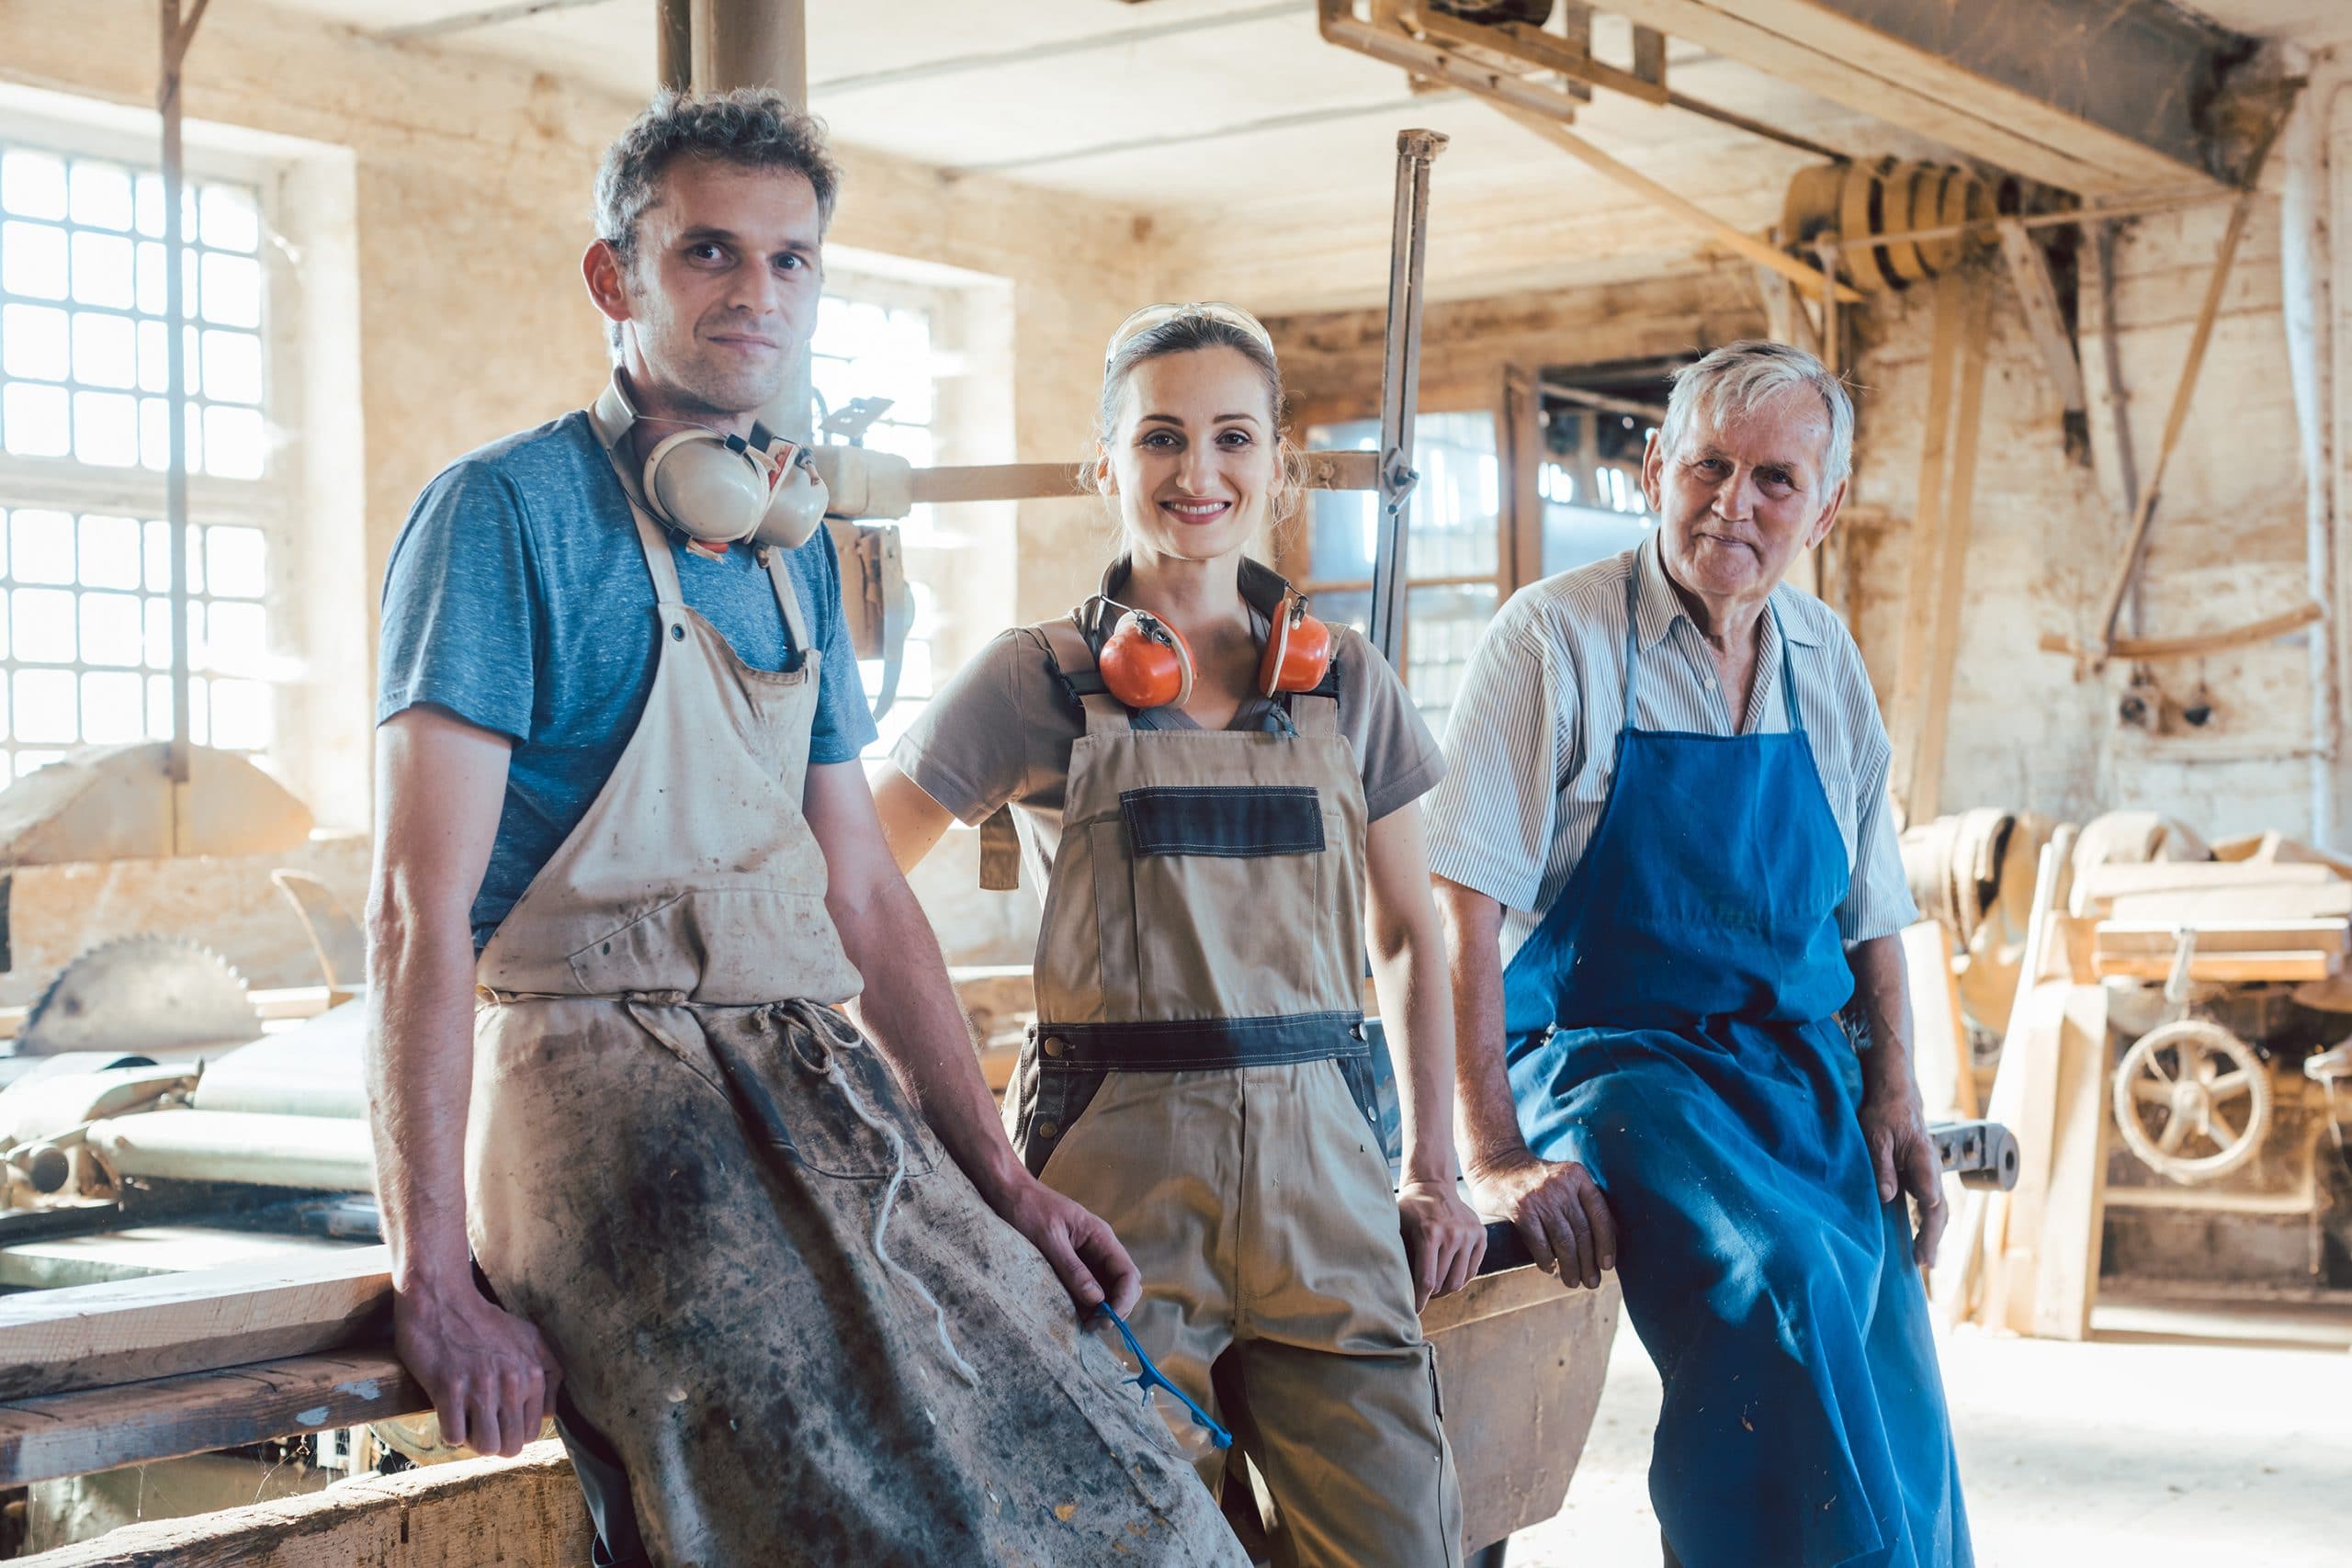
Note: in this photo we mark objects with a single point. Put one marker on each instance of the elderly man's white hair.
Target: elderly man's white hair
(1740, 377)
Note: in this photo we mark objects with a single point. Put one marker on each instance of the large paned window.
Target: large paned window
(84, 590)
(1454, 551)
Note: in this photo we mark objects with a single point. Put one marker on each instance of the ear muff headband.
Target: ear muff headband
(716, 489)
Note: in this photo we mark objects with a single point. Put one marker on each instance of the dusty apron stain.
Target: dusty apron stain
(671, 1177)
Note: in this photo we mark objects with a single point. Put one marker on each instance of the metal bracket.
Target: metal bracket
(1400, 384)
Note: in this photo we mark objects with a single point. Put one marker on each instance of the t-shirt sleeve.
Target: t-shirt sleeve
(1400, 757)
(969, 748)
(460, 622)
(1491, 819)
(844, 724)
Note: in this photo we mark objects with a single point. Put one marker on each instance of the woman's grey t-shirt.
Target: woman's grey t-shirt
(1000, 731)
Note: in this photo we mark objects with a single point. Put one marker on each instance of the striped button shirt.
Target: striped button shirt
(1530, 742)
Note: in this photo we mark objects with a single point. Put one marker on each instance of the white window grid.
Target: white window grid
(873, 345)
(84, 592)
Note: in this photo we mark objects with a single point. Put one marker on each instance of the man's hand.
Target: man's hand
(1559, 1212)
(1904, 1158)
(1443, 1238)
(1092, 1265)
(491, 1376)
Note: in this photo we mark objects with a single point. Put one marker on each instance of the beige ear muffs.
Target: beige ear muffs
(719, 489)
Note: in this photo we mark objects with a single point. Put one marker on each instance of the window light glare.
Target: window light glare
(38, 420)
(113, 708)
(103, 270)
(232, 289)
(106, 350)
(101, 195)
(32, 260)
(32, 185)
(35, 343)
(230, 221)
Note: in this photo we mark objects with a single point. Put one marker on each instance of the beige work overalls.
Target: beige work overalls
(1199, 1078)
(706, 1190)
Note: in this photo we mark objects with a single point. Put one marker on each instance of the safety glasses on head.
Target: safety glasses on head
(1152, 316)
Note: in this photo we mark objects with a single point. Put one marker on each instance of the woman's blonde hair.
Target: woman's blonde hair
(1188, 331)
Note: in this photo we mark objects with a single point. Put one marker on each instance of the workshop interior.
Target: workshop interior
(2084, 266)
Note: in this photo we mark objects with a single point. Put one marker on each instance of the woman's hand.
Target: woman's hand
(1444, 1239)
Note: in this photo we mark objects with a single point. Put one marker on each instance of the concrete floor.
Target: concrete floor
(2186, 1436)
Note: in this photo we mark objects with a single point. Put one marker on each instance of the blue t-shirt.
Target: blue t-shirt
(517, 599)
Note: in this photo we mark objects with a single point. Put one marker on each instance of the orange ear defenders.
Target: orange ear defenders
(1146, 664)
(1298, 650)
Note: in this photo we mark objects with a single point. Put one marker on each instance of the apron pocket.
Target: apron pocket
(784, 1097)
(1239, 821)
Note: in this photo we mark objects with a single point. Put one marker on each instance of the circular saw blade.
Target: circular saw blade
(140, 993)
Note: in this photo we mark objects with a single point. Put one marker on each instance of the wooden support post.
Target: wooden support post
(1927, 541)
(2029, 271)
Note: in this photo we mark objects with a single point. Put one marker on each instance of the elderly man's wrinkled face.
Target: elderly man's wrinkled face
(1741, 496)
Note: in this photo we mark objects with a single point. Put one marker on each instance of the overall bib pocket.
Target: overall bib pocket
(1255, 855)
(780, 1081)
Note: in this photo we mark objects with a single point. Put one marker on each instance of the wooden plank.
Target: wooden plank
(137, 1423)
(2198, 644)
(1953, 106)
(2135, 543)
(2119, 939)
(2198, 907)
(1047, 481)
(519, 1513)
(2104, 883)
(1939, 1038)
(1633, 179)
(2029, 272)
(1907, 706)
(1928, 769)
(2013, 1247)
(2065, 1275)
(91, 1336)
(2243, 968)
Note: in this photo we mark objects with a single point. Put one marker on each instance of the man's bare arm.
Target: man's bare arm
(1555, 1205)
(910, 1008)
(1894, 1124)
(440, 783)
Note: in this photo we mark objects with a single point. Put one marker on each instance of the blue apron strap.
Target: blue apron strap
(1632, 635)
(1788, 672)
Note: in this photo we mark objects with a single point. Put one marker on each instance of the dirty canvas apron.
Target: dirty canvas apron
(1199, 1077)
(789, 1322)
(1673, 1026)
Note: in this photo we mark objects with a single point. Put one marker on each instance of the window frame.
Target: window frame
(271, 502)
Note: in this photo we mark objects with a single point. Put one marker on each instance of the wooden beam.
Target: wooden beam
(2237, 968)
(2136, 543)
(1926, 798)
(950, 483)
(1855, 64)
(2119, 939)
(1532, 51)
(1739, 240)
(1542, 110)
(138, 1423)
(2030, 272)
(2065, 1272)
(2141, 649)
(521, 1513)
(91, 1336)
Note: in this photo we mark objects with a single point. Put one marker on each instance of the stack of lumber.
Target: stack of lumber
(2253, 919)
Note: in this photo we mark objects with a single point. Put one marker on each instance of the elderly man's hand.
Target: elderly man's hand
(1558, 1210)
(1903, 1158)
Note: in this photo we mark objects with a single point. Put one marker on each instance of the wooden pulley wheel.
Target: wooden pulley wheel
(1859, 217)
(2192, 1100)
(1966, 198)
(1810, 211)
(1899, 208)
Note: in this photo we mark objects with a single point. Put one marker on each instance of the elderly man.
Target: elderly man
(1663, 853)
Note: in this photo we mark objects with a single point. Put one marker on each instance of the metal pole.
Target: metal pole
(673, 41)
(760, 43)
(1400, 384)
(175, 37)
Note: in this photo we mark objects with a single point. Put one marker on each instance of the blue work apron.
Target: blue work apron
(1672, 1025)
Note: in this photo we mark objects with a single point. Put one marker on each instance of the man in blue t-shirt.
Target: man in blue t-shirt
(523, 656)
